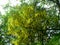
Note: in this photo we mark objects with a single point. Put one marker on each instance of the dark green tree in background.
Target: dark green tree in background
(28, 23)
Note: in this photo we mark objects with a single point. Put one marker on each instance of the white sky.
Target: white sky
(4, 2)
(14, 3)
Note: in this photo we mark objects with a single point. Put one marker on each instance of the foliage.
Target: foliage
(55, 40)
(27, 23)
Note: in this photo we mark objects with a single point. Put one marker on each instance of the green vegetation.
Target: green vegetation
(27, 24)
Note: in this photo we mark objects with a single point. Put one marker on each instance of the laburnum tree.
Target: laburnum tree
(25, 21)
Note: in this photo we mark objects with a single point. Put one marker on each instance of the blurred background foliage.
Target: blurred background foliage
(29, 23)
